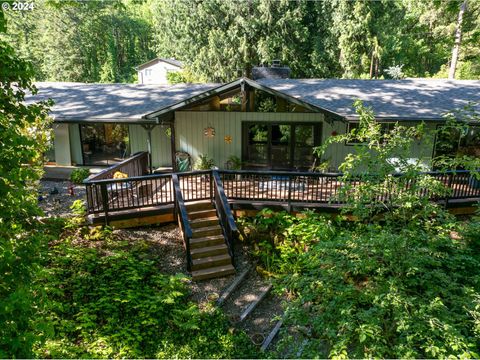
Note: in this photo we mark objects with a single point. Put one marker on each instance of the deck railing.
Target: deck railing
(281, 186)
(135, 165)
(224, 212)
(181, 213)
(111, 195)
(196, 185)
(243, 186)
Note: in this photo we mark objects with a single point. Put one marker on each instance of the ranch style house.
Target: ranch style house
(147, 137)
(266, 124)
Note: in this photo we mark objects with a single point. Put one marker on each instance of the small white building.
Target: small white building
(155, 71)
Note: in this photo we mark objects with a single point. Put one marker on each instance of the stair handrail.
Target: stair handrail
(227, 221)
(181, 212)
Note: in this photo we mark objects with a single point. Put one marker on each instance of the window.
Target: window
(280, 145)
(148, 72)
(450, 142)
(104, 144)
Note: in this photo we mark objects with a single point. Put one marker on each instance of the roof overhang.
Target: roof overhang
(156, 61)
(397, 119)
(126, 121)
(241, 84)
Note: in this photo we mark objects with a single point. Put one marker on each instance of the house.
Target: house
(155, 71)
(268, 123)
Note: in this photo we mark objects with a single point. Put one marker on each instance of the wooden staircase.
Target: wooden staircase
(209, 252)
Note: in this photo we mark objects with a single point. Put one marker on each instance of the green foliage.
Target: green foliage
(395, 72)
(369, 171)
(86, 41)
(24, 137)
(218, 40)
(457, 148)
(404, 282)
(234, 162)
(107, 299)
(204, 162)
(364, 291)
(183, 76)
(78, 175)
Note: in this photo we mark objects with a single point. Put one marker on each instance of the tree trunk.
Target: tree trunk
(458, 40)
(372, 59)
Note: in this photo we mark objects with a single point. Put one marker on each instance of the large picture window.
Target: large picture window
(104, 144)
(452, 142)
(279, 145)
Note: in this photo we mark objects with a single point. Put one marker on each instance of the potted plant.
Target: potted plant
(204, 163)
(234, 163)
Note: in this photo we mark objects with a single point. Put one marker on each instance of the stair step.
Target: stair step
(207, 231)
(206, 241)
(213, 272)
(209, 251)
(204, 222)
(197, 206)
(211, 261)
(200, 214)
(233, 286)
(265, 290)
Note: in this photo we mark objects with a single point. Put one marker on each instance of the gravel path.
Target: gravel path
(58, 204)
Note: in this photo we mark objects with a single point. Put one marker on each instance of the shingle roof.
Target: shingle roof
(119, 102)
(414, 99)
(410, 99)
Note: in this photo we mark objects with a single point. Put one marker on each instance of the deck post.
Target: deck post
(103, 190)
(172, 146)
(449, 186)
(149, 129)
(289, 200)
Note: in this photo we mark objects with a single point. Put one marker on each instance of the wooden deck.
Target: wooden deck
(141, 193)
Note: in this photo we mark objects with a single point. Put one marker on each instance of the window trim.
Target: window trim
(317, 138)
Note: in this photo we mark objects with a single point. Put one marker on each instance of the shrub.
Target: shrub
(78, 175)
(24, 137)
(374, 290)
(107, 299)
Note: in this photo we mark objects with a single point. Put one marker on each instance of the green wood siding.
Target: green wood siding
(62, 144)
(161, 149)
(75, 144)
(190, 125)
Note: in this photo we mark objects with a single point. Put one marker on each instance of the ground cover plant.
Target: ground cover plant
(107, 299)
(391, 277)
(374, 290)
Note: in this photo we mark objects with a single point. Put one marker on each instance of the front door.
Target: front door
(280, 146)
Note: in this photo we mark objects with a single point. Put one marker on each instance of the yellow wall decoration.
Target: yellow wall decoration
(228, 139)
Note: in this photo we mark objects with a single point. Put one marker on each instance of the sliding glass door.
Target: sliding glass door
(279, 146)
(104, 144)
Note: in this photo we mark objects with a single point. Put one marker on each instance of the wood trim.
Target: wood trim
(317, 138)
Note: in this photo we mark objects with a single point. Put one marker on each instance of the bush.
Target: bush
(374, 290)
(78, 175)
(107, 299)
(24, 137)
